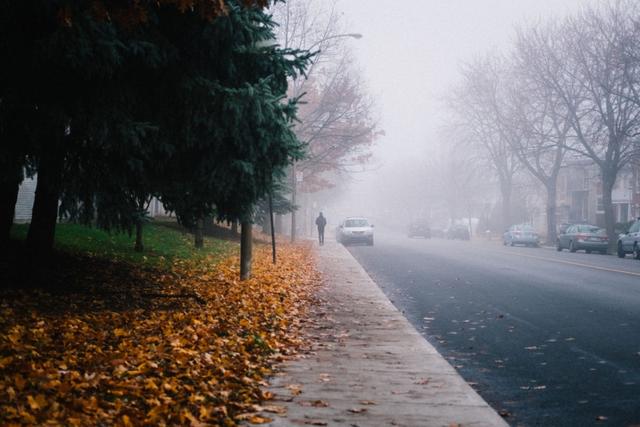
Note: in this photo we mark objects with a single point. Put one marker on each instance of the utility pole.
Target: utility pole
(273, 230)
(246, 241)
(294, 184)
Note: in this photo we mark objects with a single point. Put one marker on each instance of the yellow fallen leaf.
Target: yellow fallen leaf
(19, 381)
(5, 361)
(37, 403)
(257, 419)
(280, 410)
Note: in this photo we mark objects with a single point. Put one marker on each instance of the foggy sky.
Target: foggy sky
(410, 54)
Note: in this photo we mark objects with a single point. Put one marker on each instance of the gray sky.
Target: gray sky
(410, 55)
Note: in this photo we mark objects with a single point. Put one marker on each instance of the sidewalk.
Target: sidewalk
(369, 366)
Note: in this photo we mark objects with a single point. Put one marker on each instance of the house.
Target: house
(24, 204)
(580, 194)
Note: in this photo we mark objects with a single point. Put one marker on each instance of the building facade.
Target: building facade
(580, 194)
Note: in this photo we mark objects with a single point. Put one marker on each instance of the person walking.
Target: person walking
(321, 222)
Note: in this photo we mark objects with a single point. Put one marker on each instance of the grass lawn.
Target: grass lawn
(162, 244)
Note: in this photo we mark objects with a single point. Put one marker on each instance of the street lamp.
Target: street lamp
(294, 174)
(335, 36)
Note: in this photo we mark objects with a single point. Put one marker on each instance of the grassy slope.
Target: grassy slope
(162, 244)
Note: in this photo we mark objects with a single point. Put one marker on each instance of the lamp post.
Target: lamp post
(294, 172)
(335, 36)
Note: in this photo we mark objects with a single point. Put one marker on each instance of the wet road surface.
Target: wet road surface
(547, 338)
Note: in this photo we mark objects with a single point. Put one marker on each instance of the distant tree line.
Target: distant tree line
(567, 89)
(112, 103)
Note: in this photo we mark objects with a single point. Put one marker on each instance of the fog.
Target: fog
(410, 57)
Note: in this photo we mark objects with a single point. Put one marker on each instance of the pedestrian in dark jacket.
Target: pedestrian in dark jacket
(321, 222)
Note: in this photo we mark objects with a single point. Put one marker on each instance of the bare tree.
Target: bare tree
(336, 124)
(456, 178)
(474, 106)
(336, 118)
(538, 120)
(584, 63)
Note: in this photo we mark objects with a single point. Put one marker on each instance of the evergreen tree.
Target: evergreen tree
(185, 105)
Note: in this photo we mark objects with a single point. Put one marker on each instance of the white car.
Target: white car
(355, 229)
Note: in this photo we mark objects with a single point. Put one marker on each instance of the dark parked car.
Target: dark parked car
(583, 236)
(521, 234)
(460, 232)
(629, 242)
(437, 233)
(419, 229)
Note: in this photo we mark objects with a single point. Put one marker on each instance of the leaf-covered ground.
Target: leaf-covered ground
(189, 345)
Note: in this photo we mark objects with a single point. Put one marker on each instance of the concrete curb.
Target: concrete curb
(369, 366)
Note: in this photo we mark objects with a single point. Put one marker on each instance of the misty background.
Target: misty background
(410, 58)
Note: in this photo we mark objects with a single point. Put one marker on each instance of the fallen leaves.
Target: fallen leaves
(295, 389)
(186, 347)
(314, 403)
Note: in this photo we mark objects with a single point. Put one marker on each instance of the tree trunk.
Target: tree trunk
(9, 195)
(551, 213)
(41, 234)
(278, 225)
(293, 203)
(208, 224)
(505, 190)
(199, 235)
(245, 250)
(272, 229)
(266, 224)
(608, 182)
(139, 247)
(293, 218)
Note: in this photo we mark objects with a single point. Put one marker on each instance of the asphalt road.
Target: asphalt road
(547, 338)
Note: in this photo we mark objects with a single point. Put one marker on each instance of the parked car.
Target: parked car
(457, 231)
(419, 229)
(355, 229)
(629, 242)
(562, 228)
(438, 233)
(521, 234)
(583, 236)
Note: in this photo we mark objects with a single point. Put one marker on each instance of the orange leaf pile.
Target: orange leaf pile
(189, 347)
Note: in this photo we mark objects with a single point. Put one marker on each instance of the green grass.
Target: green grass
(162, 244)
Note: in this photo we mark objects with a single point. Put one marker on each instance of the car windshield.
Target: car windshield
(526, 228)
(356, 223)
(592, 229)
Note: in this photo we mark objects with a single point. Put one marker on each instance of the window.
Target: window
(589, 229)
(624, 212)
(356, 223)
(600, 207)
